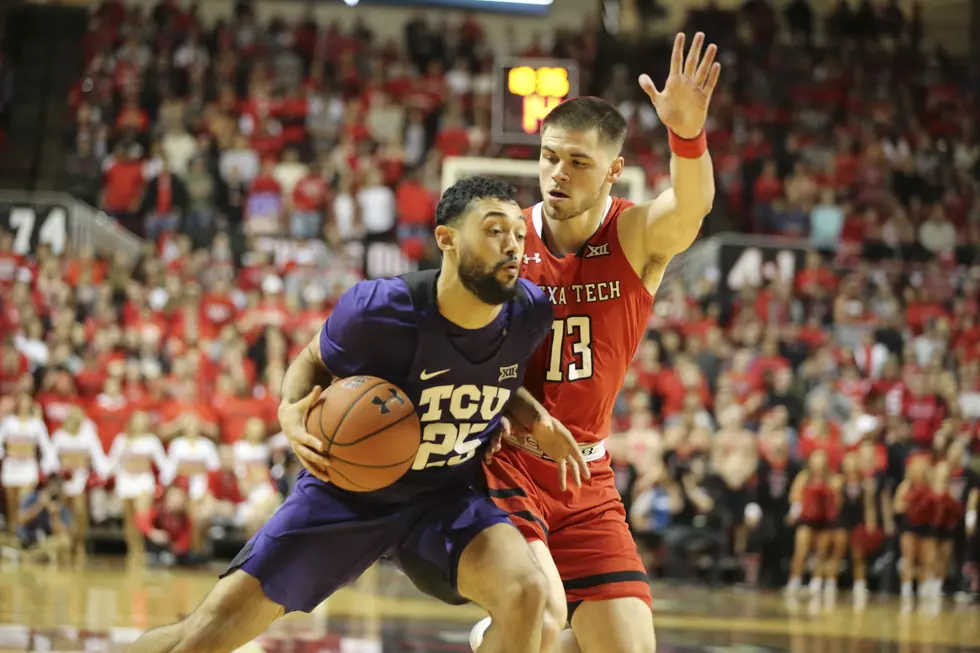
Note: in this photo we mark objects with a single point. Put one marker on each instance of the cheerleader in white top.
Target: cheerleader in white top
(192, 457)
(80, 456)
(132, 459)
(25, 452)
(253, 457)
(252, 453)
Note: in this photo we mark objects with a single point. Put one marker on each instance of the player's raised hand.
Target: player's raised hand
(559, 444)
(682, 105)
(307, 447)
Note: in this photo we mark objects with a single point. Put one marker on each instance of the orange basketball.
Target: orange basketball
(371, 430)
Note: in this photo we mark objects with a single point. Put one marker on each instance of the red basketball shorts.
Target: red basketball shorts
(585, 528)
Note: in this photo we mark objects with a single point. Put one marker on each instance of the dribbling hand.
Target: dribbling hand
(682, 105)
(496, 440)
(307, 447)
(559, 444)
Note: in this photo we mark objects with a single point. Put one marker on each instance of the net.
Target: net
(523, 175)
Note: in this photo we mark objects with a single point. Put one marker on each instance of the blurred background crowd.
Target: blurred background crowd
(261, 159)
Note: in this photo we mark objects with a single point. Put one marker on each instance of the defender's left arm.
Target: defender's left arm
(672, 220)
(658, 230)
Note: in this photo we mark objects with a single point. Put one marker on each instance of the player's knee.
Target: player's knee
(524, 598)
(643, 645)
(648, 642)
(642, 640)
(636, 635)
(552, 625)
(533, 593)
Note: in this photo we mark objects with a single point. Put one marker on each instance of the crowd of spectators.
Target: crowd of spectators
(862, 142)
(158, 383)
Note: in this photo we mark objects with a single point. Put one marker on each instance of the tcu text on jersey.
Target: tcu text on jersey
(453, 418)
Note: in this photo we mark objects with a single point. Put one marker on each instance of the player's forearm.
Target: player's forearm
(524, 409)
(693, 183)
(674, 218)
(305, 372)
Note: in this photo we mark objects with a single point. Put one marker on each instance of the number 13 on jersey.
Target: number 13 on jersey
(578, 330)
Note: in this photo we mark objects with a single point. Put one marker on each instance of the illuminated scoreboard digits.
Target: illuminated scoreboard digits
(542, 90)
(525, 92)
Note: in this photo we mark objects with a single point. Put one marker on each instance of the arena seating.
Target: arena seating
(258, 161)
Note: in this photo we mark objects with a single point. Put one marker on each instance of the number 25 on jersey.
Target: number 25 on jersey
(578, 330)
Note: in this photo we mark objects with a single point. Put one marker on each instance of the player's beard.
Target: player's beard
(482, 282)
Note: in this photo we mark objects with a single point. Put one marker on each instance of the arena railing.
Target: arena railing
(58, 219)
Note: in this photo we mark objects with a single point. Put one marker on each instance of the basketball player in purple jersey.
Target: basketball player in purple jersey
(455, 340)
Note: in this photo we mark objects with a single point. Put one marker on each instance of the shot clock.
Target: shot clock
(525, 91)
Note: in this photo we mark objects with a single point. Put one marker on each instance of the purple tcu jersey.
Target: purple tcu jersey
(458, 379)
(323, 537)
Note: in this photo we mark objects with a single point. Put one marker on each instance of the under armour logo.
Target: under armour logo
(383, 403)
(528, 259)
(507, 372)
(597, 250)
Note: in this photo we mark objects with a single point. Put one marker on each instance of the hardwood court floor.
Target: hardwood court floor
(102, 606)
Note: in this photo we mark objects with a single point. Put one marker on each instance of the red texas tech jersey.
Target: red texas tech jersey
(601, 312)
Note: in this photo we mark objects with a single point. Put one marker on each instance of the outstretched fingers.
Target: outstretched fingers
(704, 69)
(694, 55)
(712, 81)
(677, 56)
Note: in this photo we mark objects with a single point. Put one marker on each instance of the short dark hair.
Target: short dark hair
(458, 197)
(587, 113)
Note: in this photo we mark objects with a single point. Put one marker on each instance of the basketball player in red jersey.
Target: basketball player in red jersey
(601, 260)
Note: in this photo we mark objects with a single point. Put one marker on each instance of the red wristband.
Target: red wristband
(688, 148)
